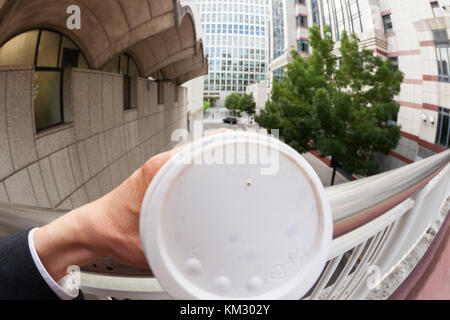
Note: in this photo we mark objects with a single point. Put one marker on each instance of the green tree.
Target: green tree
(342, 110)
(248, 104)
(206, 105)
(232, 103)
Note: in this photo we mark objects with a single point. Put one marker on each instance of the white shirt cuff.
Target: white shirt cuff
(67, 288)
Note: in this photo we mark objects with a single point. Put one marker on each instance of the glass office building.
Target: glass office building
(236, 43)
(342, 15)
(278, 28)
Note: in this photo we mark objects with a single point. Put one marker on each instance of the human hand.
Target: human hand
(107, 227)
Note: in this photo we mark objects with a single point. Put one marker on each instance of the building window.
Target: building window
(129, 69)
(302, 21)
(437, 10)
(50, 53)
(326, 15)
(9, 55)
(440, 37)
(443, 130)
(388, 27)
(315, 12)
(303, 45)
(355, 14)
(175, 93)
(443, 56)
(300, 1)
(238, 43)
(160, 92)
(278, 73)
(339, 19)
(125, 65)
(442, 53)
(278, 28)
(394, 61)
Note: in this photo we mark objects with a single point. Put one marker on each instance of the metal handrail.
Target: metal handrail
(346, 200)
(356, 203)
(15, 218)
(353, 204)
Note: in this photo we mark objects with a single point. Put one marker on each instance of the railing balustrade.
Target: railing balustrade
(377, 222)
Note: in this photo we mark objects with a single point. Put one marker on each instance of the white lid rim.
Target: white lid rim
(168, 272)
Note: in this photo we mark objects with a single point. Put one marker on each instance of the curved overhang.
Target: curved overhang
(156, 33)
(187, 69)
(192, 75)
(168, 47)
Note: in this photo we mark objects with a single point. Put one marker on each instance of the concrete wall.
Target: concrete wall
(260, 93)
(194, 100)
(72, 164)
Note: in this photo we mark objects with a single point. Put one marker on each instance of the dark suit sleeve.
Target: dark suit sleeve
(19, 277)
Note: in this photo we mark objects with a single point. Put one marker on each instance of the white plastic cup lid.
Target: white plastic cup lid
(236, 216)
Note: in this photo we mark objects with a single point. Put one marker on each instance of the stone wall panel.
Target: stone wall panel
(19, 118)
(72, 164)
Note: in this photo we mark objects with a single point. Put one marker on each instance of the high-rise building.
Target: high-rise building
(283, 36)
(288, 24)
(413, 34)
(236, 43)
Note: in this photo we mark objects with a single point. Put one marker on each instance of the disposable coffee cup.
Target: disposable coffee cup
(236, 216)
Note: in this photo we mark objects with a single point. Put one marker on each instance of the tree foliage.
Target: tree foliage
(247, 104)
(342, 110)
(232, 103)
(206, 105)
(238, 104)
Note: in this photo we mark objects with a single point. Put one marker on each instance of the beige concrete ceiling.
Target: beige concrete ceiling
(180, 70)
(156, 33)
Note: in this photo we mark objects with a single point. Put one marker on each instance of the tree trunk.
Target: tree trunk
(334, 166)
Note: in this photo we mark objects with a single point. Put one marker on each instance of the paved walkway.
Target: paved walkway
(430, 279)
(436, 284)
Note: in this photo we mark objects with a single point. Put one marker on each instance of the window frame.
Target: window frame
(437, 9)
(57, 68)
(442, 47)
(127, 105)
(391, 30)
(440, 37)
(302, 21)
(50, 69)
(160, 93)
(176, 93)
(443, 112)
(395, 63)
(301, 43)
(127, 78)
